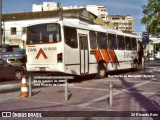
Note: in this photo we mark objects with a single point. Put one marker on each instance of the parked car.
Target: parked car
(15, 62)
(8, 71)
(13, 54)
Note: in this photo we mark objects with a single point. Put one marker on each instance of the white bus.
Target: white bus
(78, 48)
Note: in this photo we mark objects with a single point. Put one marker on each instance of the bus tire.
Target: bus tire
(101, 71)
(135, 64)
(18, 75)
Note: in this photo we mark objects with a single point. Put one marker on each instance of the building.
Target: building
(72, 7)
(46, 6)
(100, 11)
(120, 22)
(15, 24)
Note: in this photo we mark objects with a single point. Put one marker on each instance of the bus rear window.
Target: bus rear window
(43, 33)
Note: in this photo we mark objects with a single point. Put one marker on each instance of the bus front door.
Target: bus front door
(84, 53)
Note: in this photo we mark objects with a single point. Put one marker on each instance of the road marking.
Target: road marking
(114, 93)
(89, 88)
(149, 93)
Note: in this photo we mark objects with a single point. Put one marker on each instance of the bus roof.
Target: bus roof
(77, 23)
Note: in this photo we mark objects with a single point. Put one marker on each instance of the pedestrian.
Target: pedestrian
(140, 55)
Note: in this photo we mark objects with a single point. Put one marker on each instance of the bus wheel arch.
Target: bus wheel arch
(101, 70)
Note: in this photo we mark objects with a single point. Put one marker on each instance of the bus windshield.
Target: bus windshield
(43, 33)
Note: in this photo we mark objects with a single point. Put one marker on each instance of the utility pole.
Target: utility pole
(0, 22)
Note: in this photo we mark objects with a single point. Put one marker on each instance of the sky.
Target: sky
(114, 7)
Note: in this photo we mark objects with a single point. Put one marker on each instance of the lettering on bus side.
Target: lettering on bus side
(32, 50)
(127, 55)
(50, 48)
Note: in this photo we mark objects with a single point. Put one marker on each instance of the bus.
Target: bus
(79, 48)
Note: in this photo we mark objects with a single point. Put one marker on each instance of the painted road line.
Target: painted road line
(106, 96)
(86, 88)
(147, 93)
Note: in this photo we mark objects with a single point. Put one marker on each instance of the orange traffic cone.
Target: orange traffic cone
(24, 88)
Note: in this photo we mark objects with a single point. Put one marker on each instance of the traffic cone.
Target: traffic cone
(24, 88)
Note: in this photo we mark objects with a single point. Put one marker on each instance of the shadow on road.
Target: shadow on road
(143, 101)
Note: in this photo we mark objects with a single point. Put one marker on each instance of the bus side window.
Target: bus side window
(93, 41)
(128, 43)
(70, 36)
(120, 42)
(112, 41)
(134, 44)
(102, 40)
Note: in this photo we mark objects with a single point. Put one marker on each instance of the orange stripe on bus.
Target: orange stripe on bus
(113, 56)
(97, 55)
(105, 55)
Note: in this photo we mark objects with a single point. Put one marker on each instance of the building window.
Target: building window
(115, 24)
(13, 31)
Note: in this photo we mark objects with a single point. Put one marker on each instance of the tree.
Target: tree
(152, 16)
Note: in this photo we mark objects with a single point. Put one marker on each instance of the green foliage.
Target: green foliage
(152, 16)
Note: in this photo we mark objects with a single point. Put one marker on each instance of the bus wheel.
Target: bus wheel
(135, 64)
(18, 75)
(101, 71)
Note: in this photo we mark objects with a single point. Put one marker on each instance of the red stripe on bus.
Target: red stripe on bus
(97, 55)
(105, 55)
(113, 56)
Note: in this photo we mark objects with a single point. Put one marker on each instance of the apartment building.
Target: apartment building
(121, 22)
(46, 6)
(100, 11)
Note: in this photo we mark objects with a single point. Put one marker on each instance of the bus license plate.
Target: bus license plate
(42, 69)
